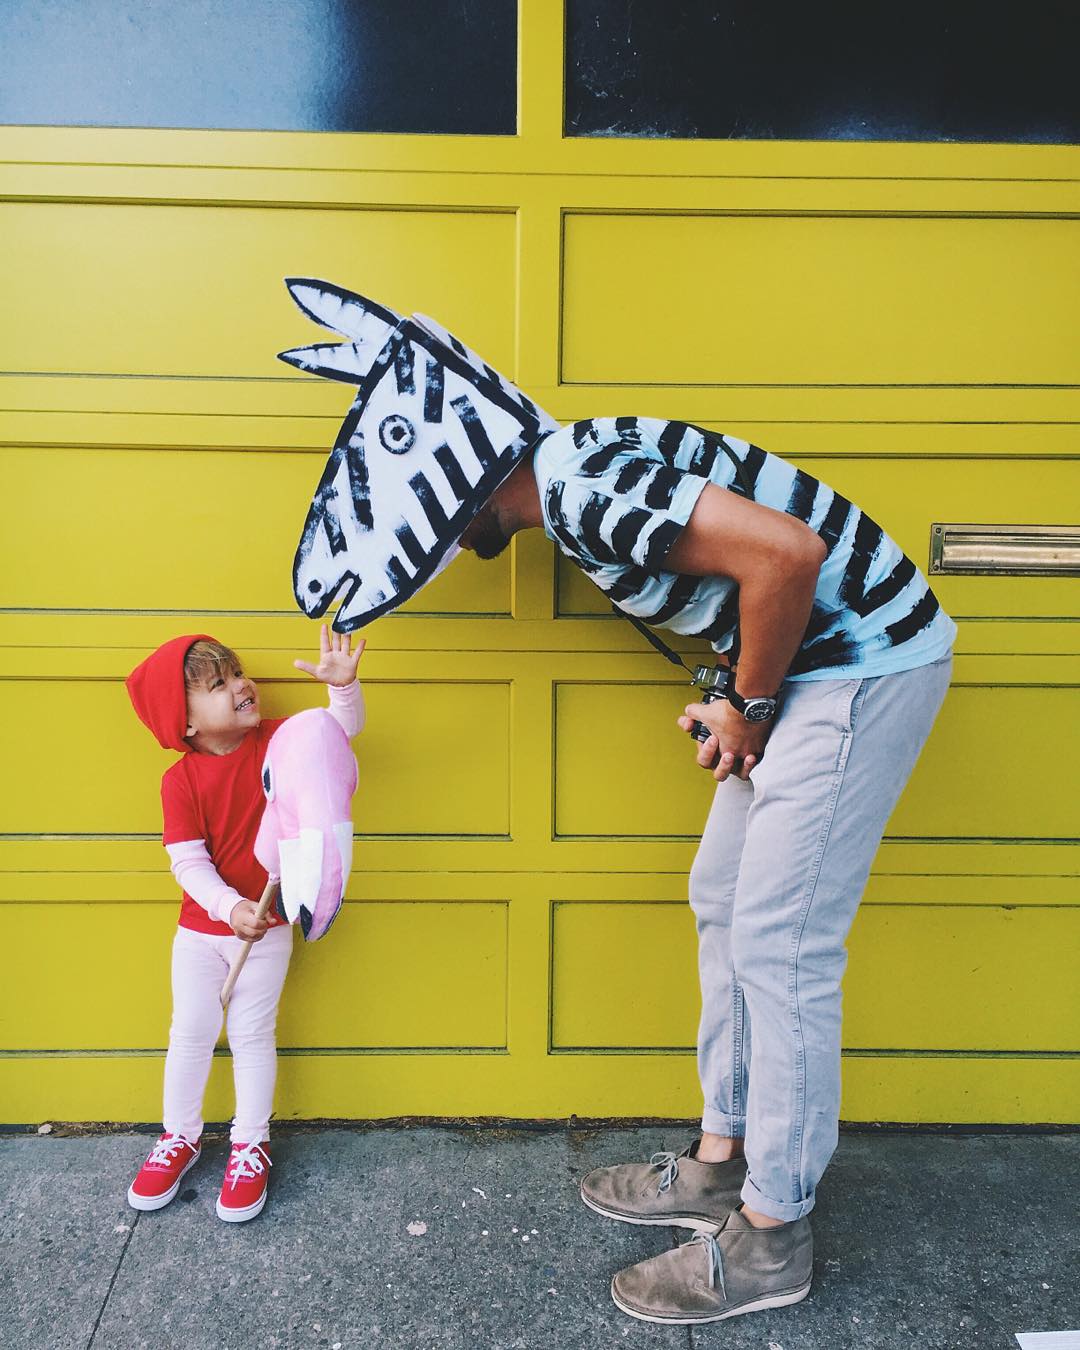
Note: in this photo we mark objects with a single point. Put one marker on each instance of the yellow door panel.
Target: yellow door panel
(384, 981)
(434, 759)
(622, 766)
(920, 977)
(649, 785)
(394, 976)
(623, 976)
(197, 290)
(805, 300)
(190, 531)
(962, 978)
(105, 984)
(976, 779)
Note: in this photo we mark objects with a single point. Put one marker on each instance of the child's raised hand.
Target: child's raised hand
(337, 662)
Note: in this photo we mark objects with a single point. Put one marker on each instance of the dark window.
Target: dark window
(270, 65)
(921, 70)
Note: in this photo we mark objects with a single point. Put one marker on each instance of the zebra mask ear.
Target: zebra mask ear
(367, 324)
(432, 432)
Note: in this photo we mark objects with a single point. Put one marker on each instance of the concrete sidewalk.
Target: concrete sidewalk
(445, 1237)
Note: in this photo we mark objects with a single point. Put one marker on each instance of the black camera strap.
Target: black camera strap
(646, 632)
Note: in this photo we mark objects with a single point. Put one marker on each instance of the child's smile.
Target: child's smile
(221, 711)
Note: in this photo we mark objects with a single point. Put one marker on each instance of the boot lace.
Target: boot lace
(713, 1257)
(246, 1164)
(669, 1165)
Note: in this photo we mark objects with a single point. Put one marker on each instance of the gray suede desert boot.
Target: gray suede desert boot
(672, 1189)
(740, 1269)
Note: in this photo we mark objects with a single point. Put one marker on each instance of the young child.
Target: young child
(193, 695)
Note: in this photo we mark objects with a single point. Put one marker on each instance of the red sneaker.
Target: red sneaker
(243, 1192)
(160, 1175)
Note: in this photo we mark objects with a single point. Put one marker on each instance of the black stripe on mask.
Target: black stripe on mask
(433, 392)
(403, 368)
(409, 542)
(433, 508)
(455, 474)
(474, 429)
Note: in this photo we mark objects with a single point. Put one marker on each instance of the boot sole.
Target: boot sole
(148, 1203)
(683, 1221)
(757, 1305)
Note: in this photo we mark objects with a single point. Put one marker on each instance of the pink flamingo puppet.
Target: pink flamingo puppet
(305, 839)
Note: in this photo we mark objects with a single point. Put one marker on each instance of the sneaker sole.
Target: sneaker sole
(683, 1221)
(240, 1215)
(758, 1305)
(146, 1203)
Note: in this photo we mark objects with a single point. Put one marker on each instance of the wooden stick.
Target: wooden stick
(267, 899)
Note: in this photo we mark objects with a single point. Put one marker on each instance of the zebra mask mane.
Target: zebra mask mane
(432, 432)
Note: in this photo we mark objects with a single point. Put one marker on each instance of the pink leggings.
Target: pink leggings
(200, 962)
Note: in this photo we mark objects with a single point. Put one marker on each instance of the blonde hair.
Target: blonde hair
(206, 660)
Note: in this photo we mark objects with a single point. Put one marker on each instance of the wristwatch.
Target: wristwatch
(753, 709)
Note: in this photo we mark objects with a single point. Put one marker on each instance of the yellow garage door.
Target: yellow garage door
(898, 319)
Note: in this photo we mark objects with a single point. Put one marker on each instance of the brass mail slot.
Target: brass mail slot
(1006, 550)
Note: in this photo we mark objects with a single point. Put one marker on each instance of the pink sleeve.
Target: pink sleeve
(347, 707)
(194, 869)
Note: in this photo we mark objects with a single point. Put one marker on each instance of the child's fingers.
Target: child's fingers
(307, 666)
(324, 639)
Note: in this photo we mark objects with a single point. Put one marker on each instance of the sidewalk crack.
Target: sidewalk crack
(112, 1282)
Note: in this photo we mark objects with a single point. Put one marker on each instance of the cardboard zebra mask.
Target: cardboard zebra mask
(432, 432)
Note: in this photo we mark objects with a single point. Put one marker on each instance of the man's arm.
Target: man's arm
(775, 560)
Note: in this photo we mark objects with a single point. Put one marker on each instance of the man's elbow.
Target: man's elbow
(811, 548)
(800, 551)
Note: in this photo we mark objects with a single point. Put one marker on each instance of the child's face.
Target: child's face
(224, 705)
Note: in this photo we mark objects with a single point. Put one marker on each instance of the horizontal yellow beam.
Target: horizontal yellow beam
(539, 150)
(963, 1090)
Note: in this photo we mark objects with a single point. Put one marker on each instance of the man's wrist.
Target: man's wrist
(753, 708)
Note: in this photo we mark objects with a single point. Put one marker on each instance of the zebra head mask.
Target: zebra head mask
(432, 432)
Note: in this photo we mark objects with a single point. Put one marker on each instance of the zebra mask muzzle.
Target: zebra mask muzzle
(432, 431)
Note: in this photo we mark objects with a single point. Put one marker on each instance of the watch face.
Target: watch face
(759, 709)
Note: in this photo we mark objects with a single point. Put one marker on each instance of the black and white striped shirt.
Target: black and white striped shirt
(617, 491)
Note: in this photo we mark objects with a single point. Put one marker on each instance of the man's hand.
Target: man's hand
(337, 663)
(735, 745)
(245, 921)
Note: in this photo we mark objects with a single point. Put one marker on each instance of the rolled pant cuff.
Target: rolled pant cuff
(774, 1209)
(718, 1122)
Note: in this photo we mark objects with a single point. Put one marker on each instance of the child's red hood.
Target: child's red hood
(156, 690)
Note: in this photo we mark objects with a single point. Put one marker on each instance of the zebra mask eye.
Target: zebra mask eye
(432, 432)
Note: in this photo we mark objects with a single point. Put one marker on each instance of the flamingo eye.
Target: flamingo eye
(267, 781)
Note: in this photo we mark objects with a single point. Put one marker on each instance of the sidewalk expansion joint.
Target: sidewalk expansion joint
(112, 1282)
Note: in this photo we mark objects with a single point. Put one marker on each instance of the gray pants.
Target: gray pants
(774, 887)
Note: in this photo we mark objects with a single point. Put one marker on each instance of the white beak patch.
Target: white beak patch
(301, 872)
(343, 834)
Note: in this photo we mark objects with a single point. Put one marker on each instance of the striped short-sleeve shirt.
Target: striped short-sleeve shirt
(617, 491)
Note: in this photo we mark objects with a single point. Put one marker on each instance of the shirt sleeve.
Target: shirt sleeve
(620, 505)
(179, 810)
(194, 869)
(347, 707)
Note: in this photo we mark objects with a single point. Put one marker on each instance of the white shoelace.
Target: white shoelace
(669, 1163)
(713, 1257)
(162, 1152)
(247, 1164)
